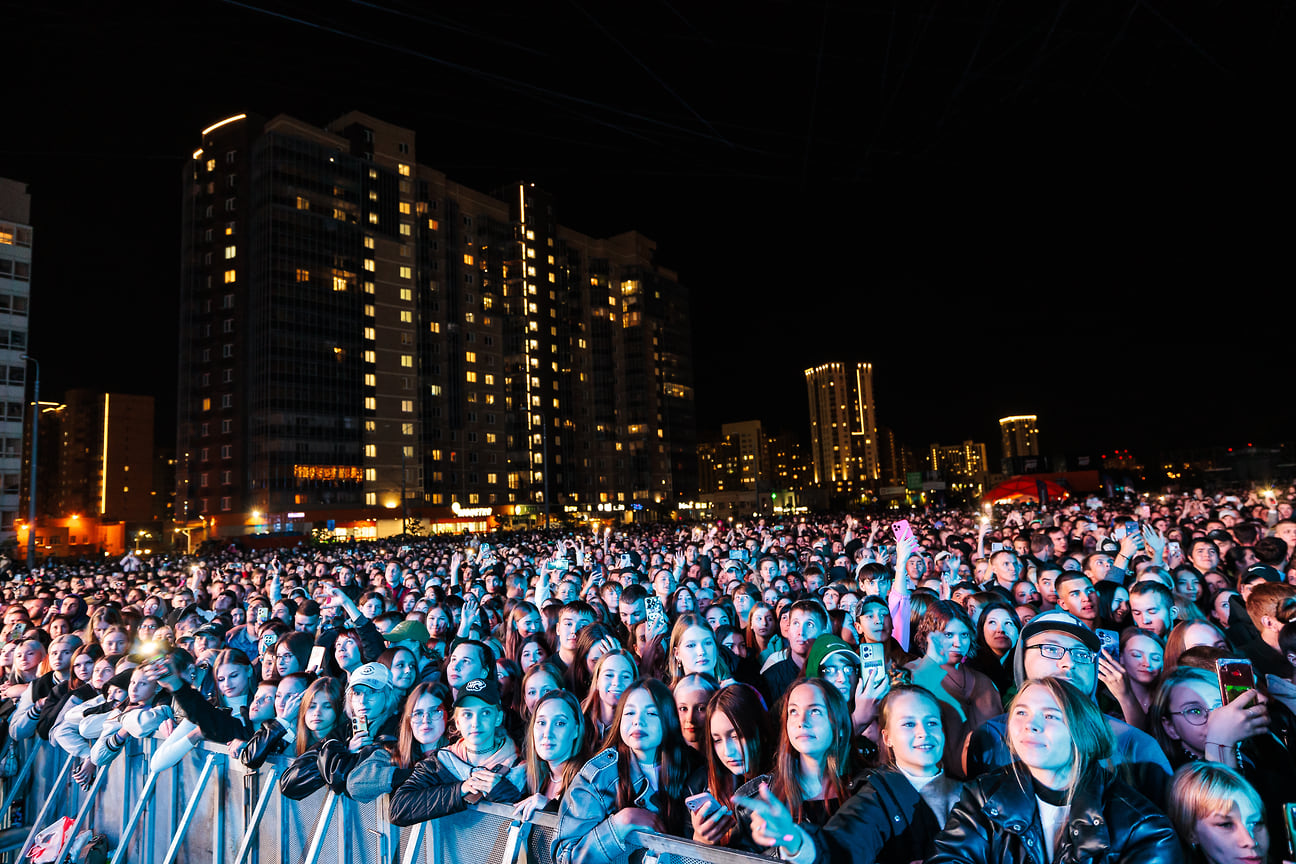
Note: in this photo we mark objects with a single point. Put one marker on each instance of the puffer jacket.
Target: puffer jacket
(997, 822)
(434, 789)
(887, 821)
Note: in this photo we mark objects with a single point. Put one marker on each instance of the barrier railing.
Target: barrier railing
(210, 807)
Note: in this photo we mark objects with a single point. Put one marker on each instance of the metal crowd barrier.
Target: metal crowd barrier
(209, 807)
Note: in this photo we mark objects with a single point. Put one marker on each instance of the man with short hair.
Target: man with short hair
(1006, 568)
(1152, 607)
(1077, 596)
(1269, 607)
(807, 620)
(573, 617)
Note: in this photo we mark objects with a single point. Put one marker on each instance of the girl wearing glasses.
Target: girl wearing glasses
(422, 730)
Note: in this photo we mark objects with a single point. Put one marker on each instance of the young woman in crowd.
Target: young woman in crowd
(1134, 679)
(424, 722)
(538, 681)
(319, 720)
(227, 717)
(944, 638)
(693, 650)
(1191, 634)
(873, 624)
(762, 631)
(997, 632)
(613, 675)
(532, 650)
(524, 623)
(637, 781)
(556, 748)
(691, 694)
(739, 750)
(1218, 815)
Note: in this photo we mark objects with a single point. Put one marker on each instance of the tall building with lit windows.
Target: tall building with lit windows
(15, 295)
(1020, 435)
(361, 335)
(843, 426)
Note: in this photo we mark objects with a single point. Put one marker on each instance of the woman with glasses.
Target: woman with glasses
(422, 731)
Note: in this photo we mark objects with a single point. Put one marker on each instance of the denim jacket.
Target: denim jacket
(585, 833)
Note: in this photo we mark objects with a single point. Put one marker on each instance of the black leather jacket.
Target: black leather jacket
(887, 821)
(997, 822)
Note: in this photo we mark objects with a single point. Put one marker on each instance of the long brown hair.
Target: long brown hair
(746, 711)
(786, 784)
(330, 687)
(537, 769)
(673, 757)
(408, 749)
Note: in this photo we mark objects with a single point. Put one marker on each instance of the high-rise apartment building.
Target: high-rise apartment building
(739, 459)
(843, 426)
(97, 457)
(15, 296)
(359, 332)
(1020, 435)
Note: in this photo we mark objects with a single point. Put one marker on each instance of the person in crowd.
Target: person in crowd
(319, 720)
(1218, 815)
(637, 782)
(422, 731)
(277, 734)
(691, 694)
(483, 764)
(738, 752)
(613, 675)
(556, 749)
(1133, 684)
(997, 632)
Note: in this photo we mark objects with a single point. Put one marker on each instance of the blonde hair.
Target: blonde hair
(1202, 789)
(1092, 740)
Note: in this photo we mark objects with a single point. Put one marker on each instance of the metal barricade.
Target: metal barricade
(210, 808)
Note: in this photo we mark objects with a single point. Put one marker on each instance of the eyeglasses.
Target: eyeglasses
(434, 714)
(1194, 715)
(1057, 652)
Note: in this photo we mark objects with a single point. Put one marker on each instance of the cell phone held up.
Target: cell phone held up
(902, 530)
(871, 657)
(1235, 678)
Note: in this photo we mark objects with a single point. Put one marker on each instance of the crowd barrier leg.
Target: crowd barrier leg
(518, 833)
(185, 819)
(15, 784)
(38, 823)
(132, 821)
(269, 787)
(321, 829)
(414, 844)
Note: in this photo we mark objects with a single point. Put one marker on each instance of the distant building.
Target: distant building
(360, 334)
(1020, 436)
(97, 458)
(15, 297)
(962, 466)
(843, 426)
(789, 463)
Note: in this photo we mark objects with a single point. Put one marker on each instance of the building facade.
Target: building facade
(1020, 435)
(359, 332)
(15, 299)
(843, 426)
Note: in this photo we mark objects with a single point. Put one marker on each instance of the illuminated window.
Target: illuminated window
(490, 380)
(230, 252)
(407, 428)
(406, 229)
(371, 403)
(470, 318)
(403, 169)
(470, 356)
(467, 259)
(371, 475)
(434, 225)
(406, 273)
(339, 214)
(530, 252)
(407, 360)
(434, 327)
(435, 389)
(369, 265)
(407, 406)
(207, 404)
(371, 499)
(373, 218)
(371, 451)
(472, 377)
(369, 310)
(371, 380)
(373, 194)
(303, 275)
(339, 283)
(406, 294)
(405, 207)
(406, 316)
(370, 357)
(373, 175)
(490, 439)
(229, 276)
(211, 164)
(370, 334)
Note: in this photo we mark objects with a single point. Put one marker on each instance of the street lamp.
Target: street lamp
(35, 437)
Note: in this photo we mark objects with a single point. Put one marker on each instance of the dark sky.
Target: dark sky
(1075, 209)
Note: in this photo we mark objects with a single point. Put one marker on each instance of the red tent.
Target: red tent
(1024, 488)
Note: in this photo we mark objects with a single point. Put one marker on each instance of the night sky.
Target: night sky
(1080, 210)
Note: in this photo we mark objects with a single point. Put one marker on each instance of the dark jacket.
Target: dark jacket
(271, 739)
(218, 724)
(433, 790)
(886, 821)
(997, 822)
(331, 762)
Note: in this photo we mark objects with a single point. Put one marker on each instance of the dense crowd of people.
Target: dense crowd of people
(1099, 680)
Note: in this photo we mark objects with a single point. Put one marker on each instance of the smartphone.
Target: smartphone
(1110, 640)
(696, 802)
(996, 547)
(871, 656)
(1235, 678)
(316, 661)
(902, 530)
(19, 628)
(263, 614)
(1173, 548)
(361, 726)
(1289, 822)
(653, 612)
